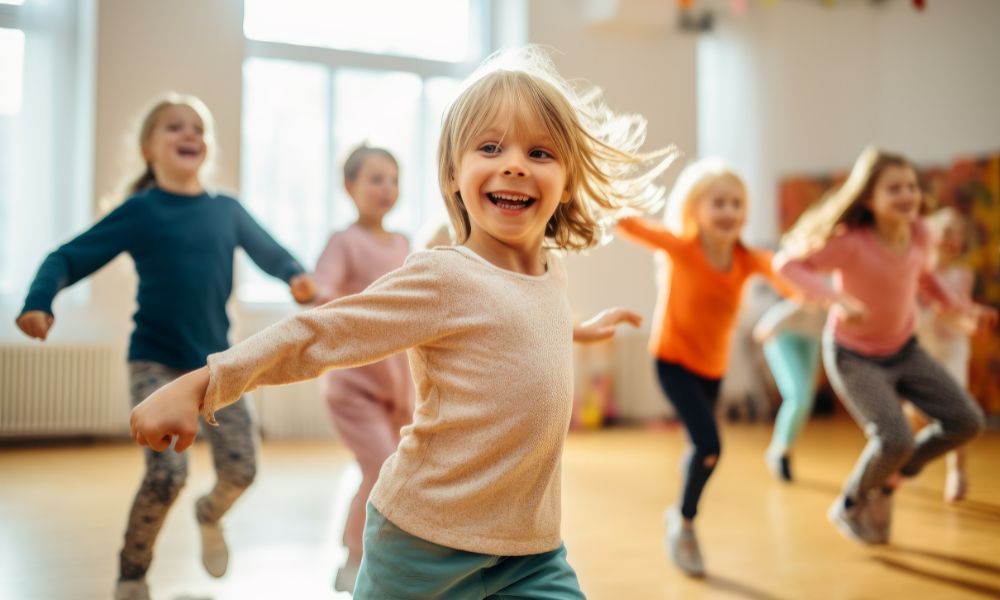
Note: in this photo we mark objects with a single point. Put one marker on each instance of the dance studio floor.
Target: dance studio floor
(62, 510)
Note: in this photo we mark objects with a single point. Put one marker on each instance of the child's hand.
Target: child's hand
(603, 325)
(169, 411)
(303, 288)
(35, 323)
(985, 315)
(762, 332)
(851, 309)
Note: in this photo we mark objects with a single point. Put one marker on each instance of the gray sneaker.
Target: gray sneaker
(214, 551)
(682, 545)
(131, 589)
(854, 523)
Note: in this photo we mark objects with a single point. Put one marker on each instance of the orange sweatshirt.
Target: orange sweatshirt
(697, 305)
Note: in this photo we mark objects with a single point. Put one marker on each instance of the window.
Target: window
(323, 76)
(43, 82)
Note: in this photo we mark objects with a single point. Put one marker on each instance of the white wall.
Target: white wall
(646, 71)
(803, 87)
(146, 48)
(644, 66)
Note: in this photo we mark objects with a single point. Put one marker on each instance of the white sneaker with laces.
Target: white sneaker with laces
(682, 544)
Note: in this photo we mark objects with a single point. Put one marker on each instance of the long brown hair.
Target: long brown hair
(846, 207)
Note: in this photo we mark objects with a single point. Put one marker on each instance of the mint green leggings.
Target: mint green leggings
(398, 566)
(794, 360)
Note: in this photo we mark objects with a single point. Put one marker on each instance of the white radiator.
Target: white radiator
(57, 390)
(296, 411)
(637, 393)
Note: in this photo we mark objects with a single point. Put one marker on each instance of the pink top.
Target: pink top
(352, 260)
(885, 282)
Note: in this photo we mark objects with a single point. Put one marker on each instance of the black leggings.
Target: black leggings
(694, 397)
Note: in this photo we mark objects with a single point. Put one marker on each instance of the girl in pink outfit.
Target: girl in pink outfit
(369, 404)
(870, 236)
(945, 334)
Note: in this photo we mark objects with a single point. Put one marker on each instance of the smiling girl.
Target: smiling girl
(469, 505)
(871, 237)
(182, 240)
(695, 316)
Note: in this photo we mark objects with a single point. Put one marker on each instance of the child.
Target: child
(695, 316)
(870, 236)
(790, 332)
(368, 404)
(182, 240)
(945, 334)
(469, 505)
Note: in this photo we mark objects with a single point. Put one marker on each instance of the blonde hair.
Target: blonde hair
(844, 208)
(939, 220)
(599, 149)
(691, 185)
(148, 177)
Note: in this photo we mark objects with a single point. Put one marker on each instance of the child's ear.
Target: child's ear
(566, 197)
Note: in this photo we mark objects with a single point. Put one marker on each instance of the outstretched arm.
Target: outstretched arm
(399, 311)
(602, 326)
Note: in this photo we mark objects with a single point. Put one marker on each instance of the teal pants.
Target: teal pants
(397, 566)
(793, 360)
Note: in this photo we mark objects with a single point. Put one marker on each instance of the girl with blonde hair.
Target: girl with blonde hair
(182, 240)
(469, 504)
(699, 298)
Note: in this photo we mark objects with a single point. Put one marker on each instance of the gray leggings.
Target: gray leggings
(871, 388)
(234, 452)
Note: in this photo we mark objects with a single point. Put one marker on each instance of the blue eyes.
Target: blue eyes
(537, 153)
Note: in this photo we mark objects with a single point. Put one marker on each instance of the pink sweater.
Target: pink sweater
(352, 260)
(886, 283)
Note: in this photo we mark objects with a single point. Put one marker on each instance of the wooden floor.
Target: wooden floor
(62, 510)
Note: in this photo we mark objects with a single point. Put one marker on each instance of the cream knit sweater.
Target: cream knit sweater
(491, 354)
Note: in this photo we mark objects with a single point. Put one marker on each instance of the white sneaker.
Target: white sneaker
(682, 544)
(131, 589)
(347, 576)
(956, 486)
(854, 523)
(214, 552)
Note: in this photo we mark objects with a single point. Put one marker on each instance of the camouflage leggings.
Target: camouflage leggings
(234, 452)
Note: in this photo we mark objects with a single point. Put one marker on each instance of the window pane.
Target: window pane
(432, 29)
(285, 163)
(14, 211)
(382, 108)
(439, 93)
(14, 2)
(11, 70)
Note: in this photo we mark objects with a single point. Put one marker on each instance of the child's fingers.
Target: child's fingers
(159, 442)
(634, 318)
(184, 441)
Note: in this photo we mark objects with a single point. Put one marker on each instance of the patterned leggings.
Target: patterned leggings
(234, 452)
(871, 387)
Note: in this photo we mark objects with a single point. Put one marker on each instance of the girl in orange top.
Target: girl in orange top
(696, 311)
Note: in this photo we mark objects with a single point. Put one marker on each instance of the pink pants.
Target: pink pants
(369, 406)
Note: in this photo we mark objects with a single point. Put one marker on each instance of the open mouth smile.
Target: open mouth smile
(510, 201)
